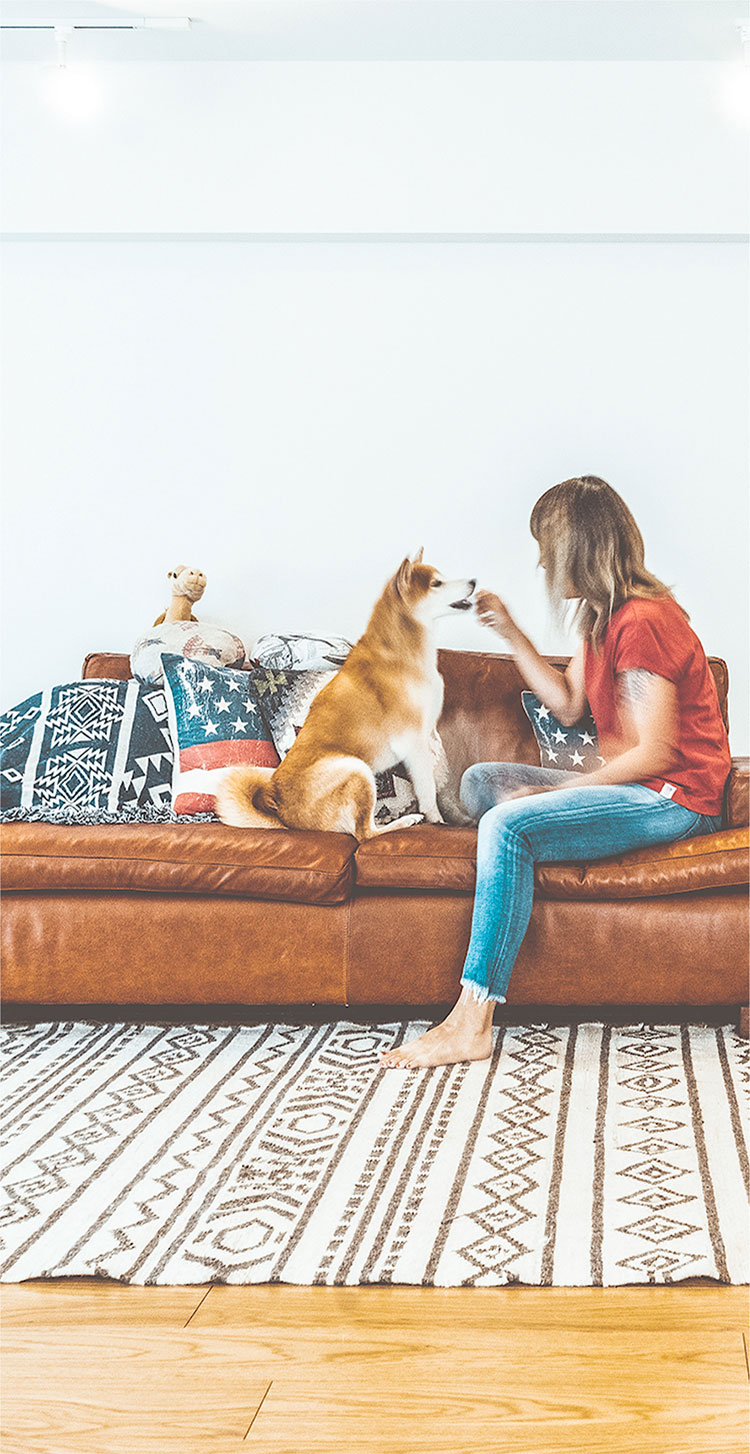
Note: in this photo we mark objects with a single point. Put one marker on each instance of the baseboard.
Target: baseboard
(367, 1014)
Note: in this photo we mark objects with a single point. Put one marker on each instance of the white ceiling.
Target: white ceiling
(392, 30)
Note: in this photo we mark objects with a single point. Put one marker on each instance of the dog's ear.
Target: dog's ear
(418, 557)
(403, 577)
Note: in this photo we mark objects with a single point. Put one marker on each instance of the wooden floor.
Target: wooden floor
(93, 1367)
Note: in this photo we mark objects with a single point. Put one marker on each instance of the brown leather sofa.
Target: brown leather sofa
(203, 914)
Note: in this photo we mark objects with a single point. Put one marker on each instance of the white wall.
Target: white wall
(379, 148)
(293, 418)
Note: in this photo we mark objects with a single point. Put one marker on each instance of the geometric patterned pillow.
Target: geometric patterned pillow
(215, 723)
(147, 774)
(570, 749)
(92, 745)
(285, 699)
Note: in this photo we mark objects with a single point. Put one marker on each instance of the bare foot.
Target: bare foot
(465, 1034)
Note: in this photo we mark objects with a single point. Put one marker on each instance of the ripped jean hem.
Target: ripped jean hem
(480, 993)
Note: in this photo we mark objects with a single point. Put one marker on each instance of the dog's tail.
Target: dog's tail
(245, 798)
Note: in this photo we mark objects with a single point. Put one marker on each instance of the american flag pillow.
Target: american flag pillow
(216, 723)
(568, 749)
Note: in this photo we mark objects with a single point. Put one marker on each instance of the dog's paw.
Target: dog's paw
(411, 820)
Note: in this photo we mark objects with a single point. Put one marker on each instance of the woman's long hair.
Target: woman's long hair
(589, 544)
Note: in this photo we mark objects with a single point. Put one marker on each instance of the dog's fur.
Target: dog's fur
(380, 709)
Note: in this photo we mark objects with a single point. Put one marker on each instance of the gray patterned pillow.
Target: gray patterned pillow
(286, 697)
(302, 653)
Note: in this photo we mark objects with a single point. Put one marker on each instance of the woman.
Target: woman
(644, 673)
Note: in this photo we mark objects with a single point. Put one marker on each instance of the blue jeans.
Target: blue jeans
(574, 822)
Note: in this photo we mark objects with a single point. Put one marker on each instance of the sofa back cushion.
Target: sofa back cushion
(483, 718)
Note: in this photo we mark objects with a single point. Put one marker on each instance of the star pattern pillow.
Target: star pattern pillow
(216, 723)
(286, 697)
(569, 749)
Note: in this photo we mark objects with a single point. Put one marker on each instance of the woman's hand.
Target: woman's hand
(492, 612)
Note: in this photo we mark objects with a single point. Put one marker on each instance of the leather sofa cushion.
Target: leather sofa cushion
(186, 858)
(737, 806)
(428, 856)
(711, 861)
(444, 859)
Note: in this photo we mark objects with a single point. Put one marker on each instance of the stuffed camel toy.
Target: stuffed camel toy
(187, 588)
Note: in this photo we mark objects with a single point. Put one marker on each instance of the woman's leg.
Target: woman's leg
(486, 784)
(577, 823)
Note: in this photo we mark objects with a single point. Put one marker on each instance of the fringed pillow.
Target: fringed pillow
(87, 747)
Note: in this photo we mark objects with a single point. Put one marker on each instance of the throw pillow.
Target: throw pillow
(84, 747)
(286, 697)
(569, 749)
(216, 723)
(308, 653)
(196, 639)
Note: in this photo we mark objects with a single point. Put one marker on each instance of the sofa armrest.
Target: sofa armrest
(737, 796)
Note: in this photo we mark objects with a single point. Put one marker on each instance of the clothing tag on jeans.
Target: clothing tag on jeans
(667, 790)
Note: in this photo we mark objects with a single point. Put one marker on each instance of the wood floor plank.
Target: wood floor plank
(592, 1436)
(331, 1353)
(72, 1301)
(137, 1391)
(632, 1398)
(99, 1368)
(103, 1438)
(464, 1311)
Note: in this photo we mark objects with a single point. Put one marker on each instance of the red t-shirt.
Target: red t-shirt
(654, 635)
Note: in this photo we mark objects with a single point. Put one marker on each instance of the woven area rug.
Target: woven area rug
(576, 1156)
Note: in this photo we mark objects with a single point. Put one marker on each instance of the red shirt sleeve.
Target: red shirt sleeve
(646, 644)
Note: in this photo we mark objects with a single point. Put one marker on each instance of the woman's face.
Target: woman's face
(569, 594)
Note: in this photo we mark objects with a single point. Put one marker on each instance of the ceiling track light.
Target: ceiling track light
(75, 92)
(142, 22)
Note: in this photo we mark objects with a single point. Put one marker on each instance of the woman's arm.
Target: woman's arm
(650, 718)
(563, 692)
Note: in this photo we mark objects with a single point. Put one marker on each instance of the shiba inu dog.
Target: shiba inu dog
(380, 709)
